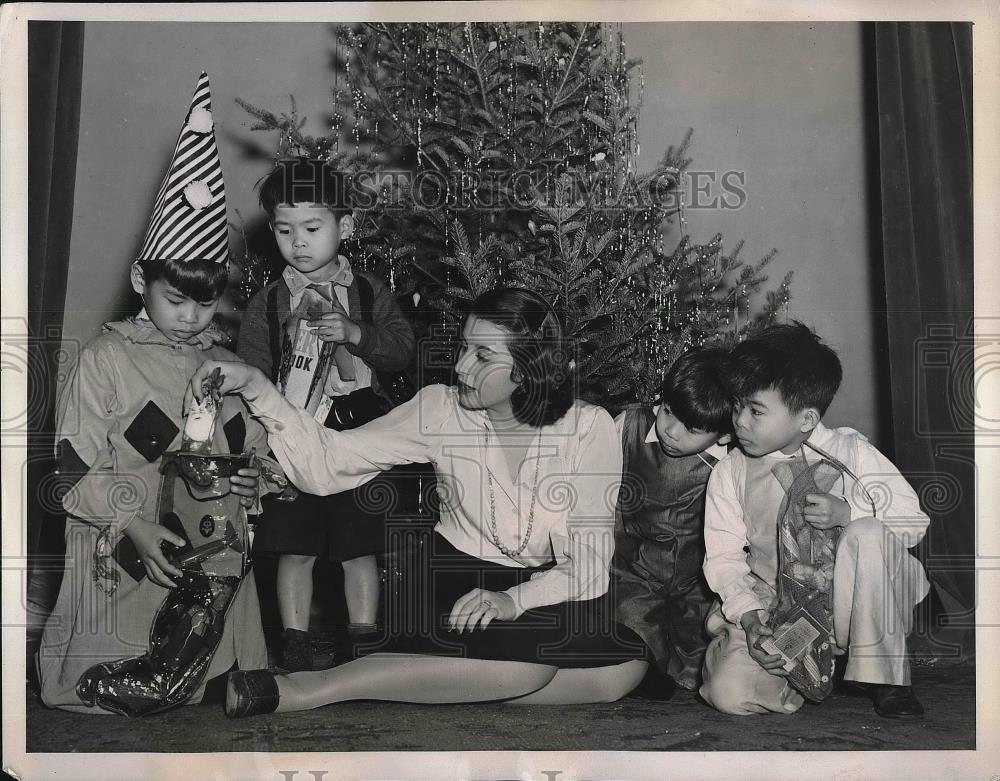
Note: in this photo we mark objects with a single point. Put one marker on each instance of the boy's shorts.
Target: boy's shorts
(339, 527)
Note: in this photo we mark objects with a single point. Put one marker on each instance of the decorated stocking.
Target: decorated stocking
(802, 619)
(195, 502)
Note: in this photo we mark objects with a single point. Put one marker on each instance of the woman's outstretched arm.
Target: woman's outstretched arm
(322, 461)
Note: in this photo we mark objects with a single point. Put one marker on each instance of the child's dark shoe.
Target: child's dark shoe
(251, 693)
(893, 702)
(296, 651)
(354, 640)
(324, 651)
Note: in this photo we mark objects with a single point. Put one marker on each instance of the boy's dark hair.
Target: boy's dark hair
(200, 280)
(791, 359)
(694, 391)
(304, 181)
(540, 352)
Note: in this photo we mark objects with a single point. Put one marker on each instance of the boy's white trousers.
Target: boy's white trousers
(876, 585)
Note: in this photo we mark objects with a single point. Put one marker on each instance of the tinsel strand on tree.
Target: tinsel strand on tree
(254, 273)
(505, 154)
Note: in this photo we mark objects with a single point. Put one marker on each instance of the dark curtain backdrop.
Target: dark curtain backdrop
(924, 98)
(55, 76)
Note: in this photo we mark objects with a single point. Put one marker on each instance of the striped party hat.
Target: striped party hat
(189, 215)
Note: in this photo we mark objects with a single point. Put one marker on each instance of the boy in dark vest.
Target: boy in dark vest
(322, 332)
(669, 452)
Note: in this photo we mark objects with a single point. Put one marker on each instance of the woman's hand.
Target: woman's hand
(235, 376)
(246, 484)
(478, 608)
(147, 537)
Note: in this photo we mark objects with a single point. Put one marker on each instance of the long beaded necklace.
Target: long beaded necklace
(531, 512)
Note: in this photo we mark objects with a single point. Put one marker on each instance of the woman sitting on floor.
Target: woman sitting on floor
(516, 579)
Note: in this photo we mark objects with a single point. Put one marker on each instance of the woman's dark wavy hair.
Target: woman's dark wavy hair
(542, 356)
(201, 280)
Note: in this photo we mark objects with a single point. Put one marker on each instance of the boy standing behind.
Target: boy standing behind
(669, 452)
(321, 332)
(784, 378)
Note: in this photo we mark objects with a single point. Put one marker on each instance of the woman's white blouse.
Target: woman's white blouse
(577, 490)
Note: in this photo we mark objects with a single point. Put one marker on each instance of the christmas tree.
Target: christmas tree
(495, 154)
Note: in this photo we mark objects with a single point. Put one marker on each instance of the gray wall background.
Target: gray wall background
(781, 102)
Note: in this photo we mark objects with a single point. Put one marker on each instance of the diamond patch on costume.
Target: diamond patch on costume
(151, 432)
(236, 433)
(71, 468)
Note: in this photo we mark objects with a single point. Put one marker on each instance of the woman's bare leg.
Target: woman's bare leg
(578, 685)
(412, 678)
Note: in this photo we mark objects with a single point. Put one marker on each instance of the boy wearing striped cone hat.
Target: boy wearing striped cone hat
(131, 632)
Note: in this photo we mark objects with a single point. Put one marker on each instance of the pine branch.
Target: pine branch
(572, 61)
(476, 66)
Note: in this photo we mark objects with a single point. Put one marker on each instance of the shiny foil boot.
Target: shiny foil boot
(186, 630)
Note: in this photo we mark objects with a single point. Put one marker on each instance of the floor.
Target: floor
(844, 722)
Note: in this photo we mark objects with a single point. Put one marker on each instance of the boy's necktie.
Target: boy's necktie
(341, 355)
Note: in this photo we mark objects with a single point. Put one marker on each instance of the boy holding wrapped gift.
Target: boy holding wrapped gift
(783, 379)
(322, 332)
